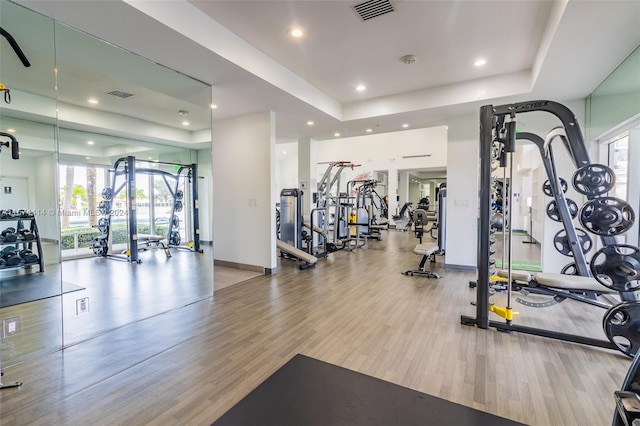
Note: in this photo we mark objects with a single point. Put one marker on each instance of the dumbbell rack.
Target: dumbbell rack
(21, 243)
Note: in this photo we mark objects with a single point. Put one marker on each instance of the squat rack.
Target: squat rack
(492, 117)
(126, 167)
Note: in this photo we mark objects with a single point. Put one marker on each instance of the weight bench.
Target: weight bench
(295, 252)
(559, 286)
(146, 241)
(428, 252)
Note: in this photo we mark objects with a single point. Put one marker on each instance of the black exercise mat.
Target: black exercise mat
(31, 287)
(306, 391)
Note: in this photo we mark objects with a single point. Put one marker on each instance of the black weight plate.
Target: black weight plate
(177, 206)
(561, 242)
(175, 222)
(174, 238)
(554, 214)
(546, 187)
(179, 194)
(607, 216)
(621, 324)
(103, 225)
(594, 179)
(569, 269)
(100, 247)
(107, 193)
(617, 267)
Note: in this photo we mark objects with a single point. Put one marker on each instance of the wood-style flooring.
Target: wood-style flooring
(190, 365)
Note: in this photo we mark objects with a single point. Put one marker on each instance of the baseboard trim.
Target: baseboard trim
(459, 267)
(241, 266)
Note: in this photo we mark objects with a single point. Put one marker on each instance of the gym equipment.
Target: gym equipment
(617, 267)
(20, 245)
(607, 216)
(107, 194)
(554, 214)
(569, 269)
(174, 238)
(9, 235)
(123, 177)
(564, 246)
(594, 179)
(294, 233)
(591, 181)
(100, 246)
(621, 324)
(428, 251)
(309, 260)
(13, 142)
(546, 187)
(28, 256)
(627, 401)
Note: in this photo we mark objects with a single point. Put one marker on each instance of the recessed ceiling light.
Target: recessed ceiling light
(185, 123)
(336, 134)
(150, 158)
(90, 142)
(214, 106)
(284, 152)
(88, 158)
(405, 125)
(480, 62)
(92, 101)
(369, 130)
(310, 123)
(361, 87)
(11, 130)
(296, 32)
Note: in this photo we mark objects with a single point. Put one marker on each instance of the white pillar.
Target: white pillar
(403, 188)
(393, 191)
(307, 172)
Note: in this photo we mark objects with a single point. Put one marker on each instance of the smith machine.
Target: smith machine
(123, 177)
(615, 268)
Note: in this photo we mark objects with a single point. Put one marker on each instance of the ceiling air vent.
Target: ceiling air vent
(372, 8)
(120, 94)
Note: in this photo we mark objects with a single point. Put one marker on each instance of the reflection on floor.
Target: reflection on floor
(224, 277)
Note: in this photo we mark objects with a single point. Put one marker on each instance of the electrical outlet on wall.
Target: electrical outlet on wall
(82, 306)
(10, 326)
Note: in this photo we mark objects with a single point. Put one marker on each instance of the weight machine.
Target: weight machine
(123, 177)
(615, 266)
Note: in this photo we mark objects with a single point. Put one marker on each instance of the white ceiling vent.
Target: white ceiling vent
(372, 8)
(120, 94)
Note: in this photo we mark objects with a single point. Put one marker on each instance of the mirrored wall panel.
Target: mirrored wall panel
(30, 284)
(134, 158)
(106, 172)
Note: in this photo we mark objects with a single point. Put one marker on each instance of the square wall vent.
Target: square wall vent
(373, 8)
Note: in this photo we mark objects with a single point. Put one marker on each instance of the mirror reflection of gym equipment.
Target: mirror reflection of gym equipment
(185, 176)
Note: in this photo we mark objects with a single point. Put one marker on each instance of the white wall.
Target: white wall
(286, 166)
(244, 193)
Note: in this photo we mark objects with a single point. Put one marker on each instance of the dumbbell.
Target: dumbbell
(27, 235)
(28, 256)
(10, 256)
(9, 235)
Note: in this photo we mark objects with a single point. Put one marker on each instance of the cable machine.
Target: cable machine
(123, 177)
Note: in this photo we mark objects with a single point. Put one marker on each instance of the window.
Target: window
(618, 161)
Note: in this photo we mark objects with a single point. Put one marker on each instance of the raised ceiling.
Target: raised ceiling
(559, 50)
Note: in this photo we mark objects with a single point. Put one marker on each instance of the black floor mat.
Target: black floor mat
(306, 391)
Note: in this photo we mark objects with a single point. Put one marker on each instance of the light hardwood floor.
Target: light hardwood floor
(190, 365)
